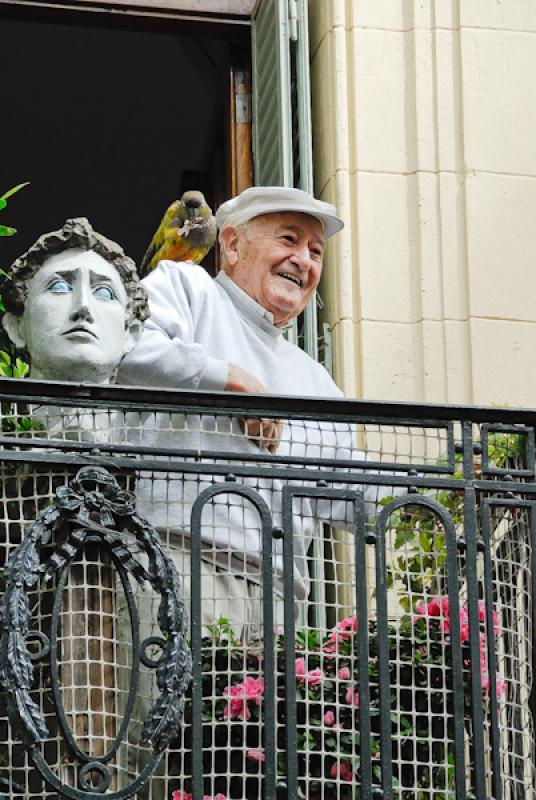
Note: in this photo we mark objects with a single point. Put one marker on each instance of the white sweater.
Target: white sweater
(197, 327)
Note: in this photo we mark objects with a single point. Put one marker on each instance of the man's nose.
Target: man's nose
(300, 257)
(80, 308)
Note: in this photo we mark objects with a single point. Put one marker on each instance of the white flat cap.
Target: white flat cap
(259, 200)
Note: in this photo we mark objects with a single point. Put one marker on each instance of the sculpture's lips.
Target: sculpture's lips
(80, 329)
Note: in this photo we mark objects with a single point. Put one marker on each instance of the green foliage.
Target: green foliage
(14, 420)
(11, 367)
(6, 230)
(328, 706)
(507, 449)
(418, 569)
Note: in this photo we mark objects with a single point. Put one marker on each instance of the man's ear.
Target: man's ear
(134, 332)
(229, 243)
(14, 328)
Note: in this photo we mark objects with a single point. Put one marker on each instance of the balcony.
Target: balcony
(360, 598)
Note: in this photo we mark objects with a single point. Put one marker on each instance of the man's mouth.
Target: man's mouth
(290, 277)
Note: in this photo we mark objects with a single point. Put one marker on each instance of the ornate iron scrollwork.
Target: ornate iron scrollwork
(92, 508)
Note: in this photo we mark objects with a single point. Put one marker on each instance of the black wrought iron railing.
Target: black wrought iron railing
(360, 596)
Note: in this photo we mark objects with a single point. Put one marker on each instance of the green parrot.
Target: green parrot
(187, 233)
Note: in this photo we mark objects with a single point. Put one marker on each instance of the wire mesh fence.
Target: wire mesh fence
(360, 595)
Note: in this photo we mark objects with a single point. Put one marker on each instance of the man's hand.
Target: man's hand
(239, 380)
(266, 433)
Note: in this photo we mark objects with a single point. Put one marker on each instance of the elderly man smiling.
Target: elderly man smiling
(227, 334)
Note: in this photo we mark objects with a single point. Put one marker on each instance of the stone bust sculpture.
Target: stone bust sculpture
(75, 302)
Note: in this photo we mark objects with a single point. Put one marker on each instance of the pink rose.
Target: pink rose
(314, 676)
(464, 633)
(299, 666)
(250, 689)
(256, 755)
(341, 769)
(329, 718)
(254, 689)
(352, 696)
(344, 673)
(437, 607)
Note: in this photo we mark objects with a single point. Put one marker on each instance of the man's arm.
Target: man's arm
(167, 354)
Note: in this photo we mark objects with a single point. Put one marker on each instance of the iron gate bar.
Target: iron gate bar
(260, 458)
(517, 422)
(231, 487)
(290, 637)
(486, 429)
(470, 533)
(365, 743)
(157, 465)
(383, 652)
(138, 397)
(487, 504)
(356, 498)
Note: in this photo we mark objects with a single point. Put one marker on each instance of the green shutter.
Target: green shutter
(272, 113)
(282, 140)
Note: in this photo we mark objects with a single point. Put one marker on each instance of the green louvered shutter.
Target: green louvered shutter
(282, 142)
(272, 112)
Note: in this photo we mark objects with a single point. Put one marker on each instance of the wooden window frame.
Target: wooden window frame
(219, 13)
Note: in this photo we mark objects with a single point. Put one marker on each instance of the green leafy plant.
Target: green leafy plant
(6, 230)
(11, 366)
(418, 566)
(328, 704)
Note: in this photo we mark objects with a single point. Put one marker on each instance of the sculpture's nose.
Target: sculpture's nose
(80, 309)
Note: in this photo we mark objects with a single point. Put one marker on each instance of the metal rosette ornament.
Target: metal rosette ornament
(92, 509)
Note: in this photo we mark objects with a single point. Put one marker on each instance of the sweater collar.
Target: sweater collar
(249, 307)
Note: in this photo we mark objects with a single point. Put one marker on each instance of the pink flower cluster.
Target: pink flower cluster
(341, 769)
(251, 689)
(178, 795)
(256, 755)
(341, 633)
(439, 608)
(313, 677)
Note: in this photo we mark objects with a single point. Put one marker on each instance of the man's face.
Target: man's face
(277, 260)
(74, 318)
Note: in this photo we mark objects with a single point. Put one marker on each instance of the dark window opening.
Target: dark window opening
(112, 124)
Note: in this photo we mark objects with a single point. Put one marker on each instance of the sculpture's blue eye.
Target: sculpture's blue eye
(60, 286)
(104, 293)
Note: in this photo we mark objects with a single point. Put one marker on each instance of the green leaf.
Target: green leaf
(21, 369)
(6, 231)
(3, 203)
(15, 189)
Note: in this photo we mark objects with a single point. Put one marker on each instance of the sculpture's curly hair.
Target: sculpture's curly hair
(76, 233)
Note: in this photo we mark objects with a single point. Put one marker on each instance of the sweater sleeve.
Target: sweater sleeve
(167, 354)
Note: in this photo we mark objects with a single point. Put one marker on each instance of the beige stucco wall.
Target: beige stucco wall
(424, 124)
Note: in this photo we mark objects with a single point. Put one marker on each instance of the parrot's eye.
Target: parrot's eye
(59, 286)
(104, 293)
